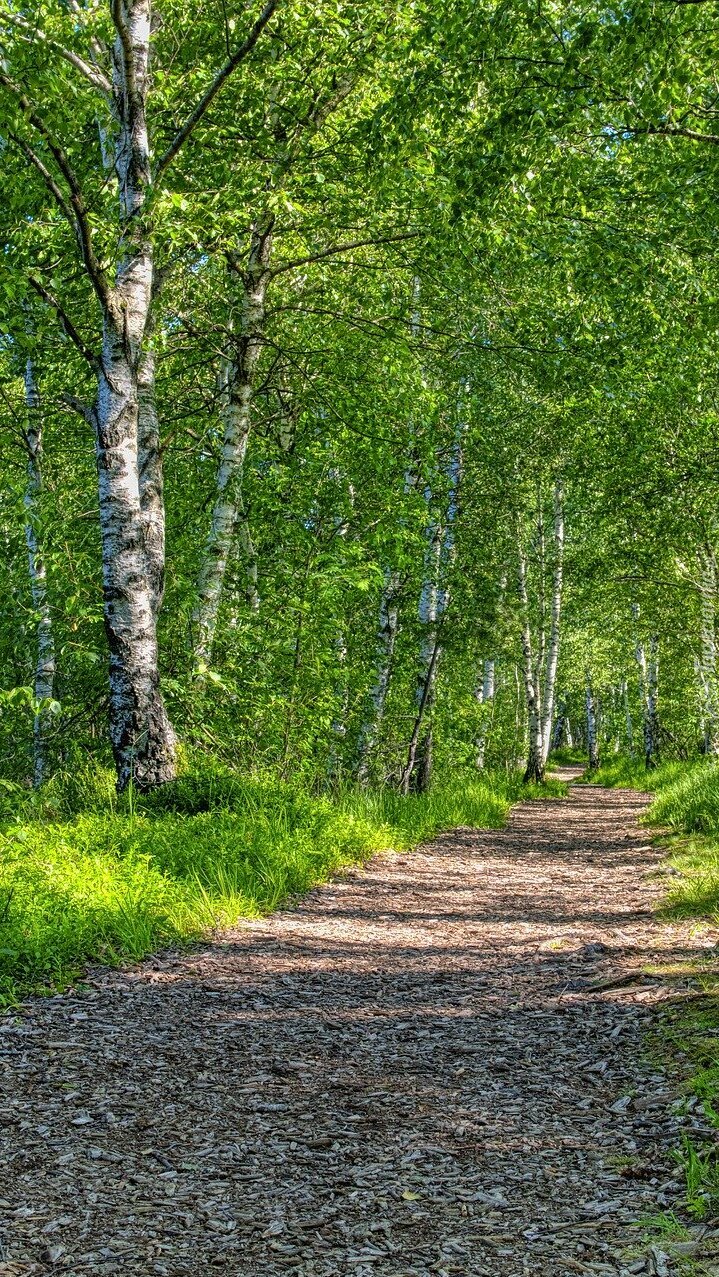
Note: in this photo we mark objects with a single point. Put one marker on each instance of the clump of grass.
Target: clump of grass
(85, 877)
(568, 756)
(622, 772)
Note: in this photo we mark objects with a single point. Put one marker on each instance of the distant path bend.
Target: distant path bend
(409, 1075)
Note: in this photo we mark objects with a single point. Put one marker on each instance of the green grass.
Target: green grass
(568, 757)
(86, 879)
(686, 804)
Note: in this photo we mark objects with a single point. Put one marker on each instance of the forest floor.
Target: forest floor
(435, 1065)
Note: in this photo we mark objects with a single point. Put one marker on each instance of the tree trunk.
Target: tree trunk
(629, 725)
(429, 653)
(651, 717)
(534, 770)
(592, 743)
(708, 660)
(552, 657)
(142, 739)
(44, 679)
(648, 677)
(239, 376)
(485, 696)
(559, 729)
(386, 638)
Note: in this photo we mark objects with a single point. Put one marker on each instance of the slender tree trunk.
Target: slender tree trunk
(152, 500)
(552, 657)
(534, 770)
(239, 377)
(388, 611)
(429, 654)
(708, 660)
(427, 687)
(140, 732)
(433, 604)
(560, 726)
(44, 680)
(651, 717)
(485, 695)
(386, 638)
(592, 742)
(628, 717)
(648, 678)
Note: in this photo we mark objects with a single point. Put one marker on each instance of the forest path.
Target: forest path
(408, 1074)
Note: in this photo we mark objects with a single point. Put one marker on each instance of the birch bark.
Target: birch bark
(651, 718)
(142, 738)
(552, 656)
(228, 512)
(629, 725)
(485, 695)
(708, 659)
(534, 770)
(560, 724)
(592, 742)
(648, 679)
(44, 678)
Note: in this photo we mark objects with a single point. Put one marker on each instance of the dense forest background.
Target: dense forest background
(390, 330)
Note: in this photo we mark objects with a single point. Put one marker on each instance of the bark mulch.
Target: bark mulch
(433, 1066)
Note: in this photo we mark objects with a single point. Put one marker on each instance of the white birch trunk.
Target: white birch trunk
(534, 770)
(485, 695)
(648, 679)
(429, 651)
(44, 678)
(708, 661)
(629, 725)
(651, 720)
(552, 655)
(149, 455)
(142, 739)
(592, 742)
(560, 726)
(228, 513)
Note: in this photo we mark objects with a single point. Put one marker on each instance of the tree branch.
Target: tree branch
(82, 226)
(670, 131)
(78, 405)
(92, 74)
(47, 178)
(67, 324)
(194, 118)
(340, 248)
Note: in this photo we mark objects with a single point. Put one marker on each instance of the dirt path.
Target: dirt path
(410, 1074)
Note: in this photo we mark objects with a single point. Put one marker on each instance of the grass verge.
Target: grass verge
(84, 879)
(686, 804)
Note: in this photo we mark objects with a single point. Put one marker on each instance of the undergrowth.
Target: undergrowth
(87, 878)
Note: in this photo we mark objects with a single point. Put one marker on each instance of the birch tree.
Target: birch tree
(45, 660)
(552, 655)
(123, 415)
